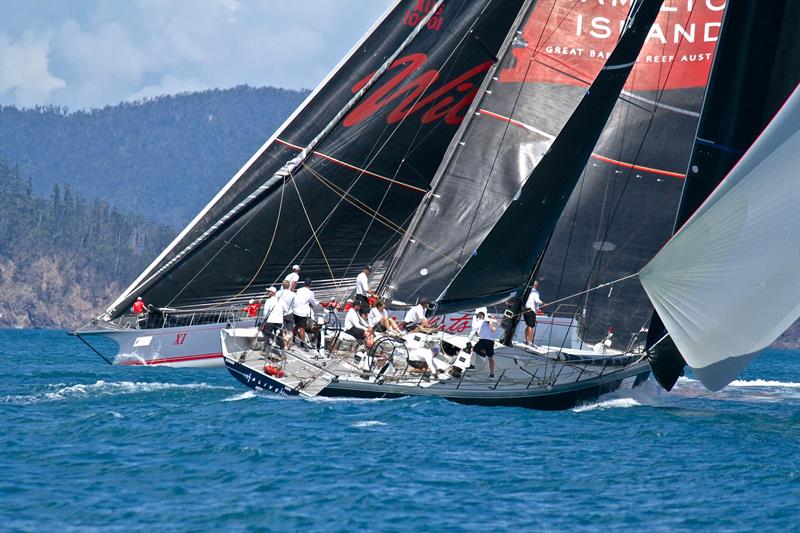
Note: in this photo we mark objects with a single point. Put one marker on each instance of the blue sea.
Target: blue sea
(90, 447)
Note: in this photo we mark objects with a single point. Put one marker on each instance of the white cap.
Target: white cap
(251, 300)
(271, 289)
(483, 310)
(296, 267)
(139, 298)
(349, 300)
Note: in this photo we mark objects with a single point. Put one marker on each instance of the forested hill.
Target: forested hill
(163, 158)
(64, 258)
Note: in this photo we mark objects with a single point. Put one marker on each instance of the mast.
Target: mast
(535, 209)
(756, 66)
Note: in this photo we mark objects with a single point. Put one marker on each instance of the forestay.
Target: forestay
(728, 283)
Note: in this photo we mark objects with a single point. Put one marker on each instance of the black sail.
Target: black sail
(497, 271)
(757, 66)
(514, 119)
(351, 198)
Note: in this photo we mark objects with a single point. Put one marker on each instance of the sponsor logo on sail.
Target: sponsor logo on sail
(413, 93)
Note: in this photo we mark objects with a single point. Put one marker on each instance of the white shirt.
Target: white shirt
(294, 277)
(376, 315)
(354, 320)
(273, 310)
(303, 300)
(485, 331)
(286, 298)
(415, 314)
(534, 302)
(362, 284)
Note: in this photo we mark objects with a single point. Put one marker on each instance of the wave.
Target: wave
(616, 403)
(764, 383)
(104, 388)
(367, 423)
(243, 396)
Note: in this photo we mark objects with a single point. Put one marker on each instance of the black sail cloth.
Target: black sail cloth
(365, 178)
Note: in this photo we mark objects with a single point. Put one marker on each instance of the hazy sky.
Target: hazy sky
(90, 53)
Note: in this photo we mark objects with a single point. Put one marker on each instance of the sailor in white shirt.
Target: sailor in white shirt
(532, 306)
(286, 298)
(293, 278)
(379, 319)
(362, 287)
(415, 317)
(304, 300)
(356, 326)
(485, 345)
(273, 313)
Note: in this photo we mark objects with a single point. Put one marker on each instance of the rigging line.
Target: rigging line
(264, 259)
(602, 285)
(313, 231)
(358, 169)
(346, 196)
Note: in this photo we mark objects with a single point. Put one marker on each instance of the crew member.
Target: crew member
(485, 345)
(532, 306)
(138, 306)
(357, 327)
(252, 308)
(362, 288)
(293, 278)
(273, 315)
(286, 298)
(303, 302)
(415, 318)
(380, 320)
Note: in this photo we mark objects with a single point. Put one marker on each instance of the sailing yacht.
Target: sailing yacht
(544, 377)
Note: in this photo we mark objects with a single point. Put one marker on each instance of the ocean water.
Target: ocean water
(87, 446)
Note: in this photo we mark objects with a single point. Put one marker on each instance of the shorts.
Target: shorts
(530, 318)
(300, 321)
(357, 333)
(484, 348)
(271, 330)
(288, 322)
(410, 326)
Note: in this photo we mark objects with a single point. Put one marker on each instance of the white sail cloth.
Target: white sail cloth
(728, 283)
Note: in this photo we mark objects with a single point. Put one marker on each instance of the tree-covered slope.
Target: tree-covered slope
(163, 158)
(64, 258)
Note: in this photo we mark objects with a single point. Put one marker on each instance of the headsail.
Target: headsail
(755, 70)
(350, 199)
(496, 270)
(740, 251)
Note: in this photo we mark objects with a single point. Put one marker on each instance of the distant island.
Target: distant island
(89, 198)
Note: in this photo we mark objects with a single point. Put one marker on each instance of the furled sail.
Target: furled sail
(349, 199)
(756, 67)
(728, 283)
(498, 270)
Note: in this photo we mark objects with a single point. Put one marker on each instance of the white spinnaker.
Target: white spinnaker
(728, 283)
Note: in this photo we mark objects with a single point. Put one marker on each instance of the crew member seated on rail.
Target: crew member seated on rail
(357, 327)
(415, 318)
(380, 320)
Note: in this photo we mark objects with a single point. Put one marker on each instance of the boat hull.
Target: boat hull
(558, 397)
(182, 346)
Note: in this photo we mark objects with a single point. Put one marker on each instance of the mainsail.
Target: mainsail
(348, 200)
(740, 251)
(496, 271)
